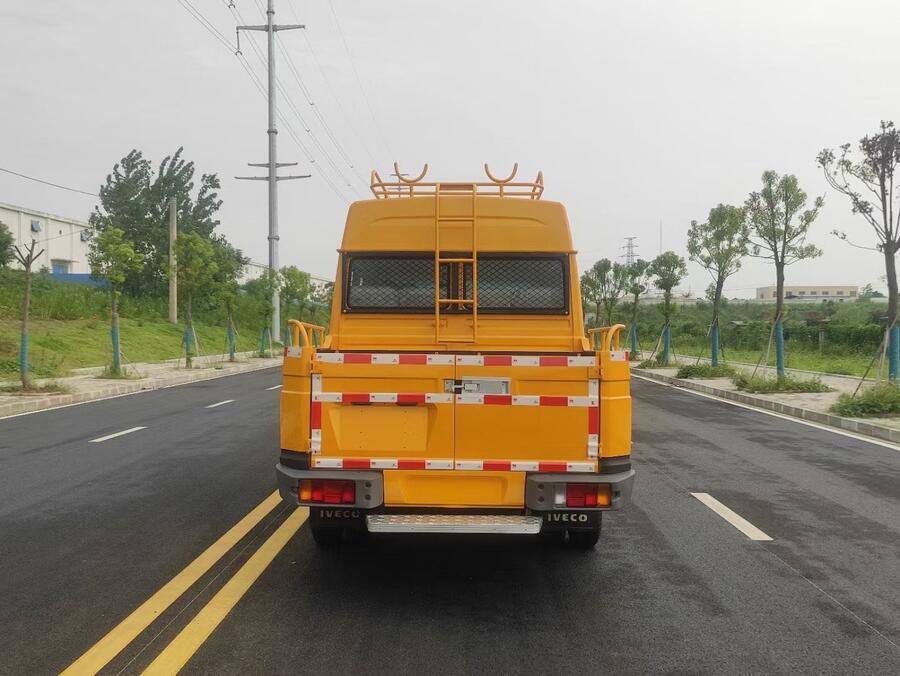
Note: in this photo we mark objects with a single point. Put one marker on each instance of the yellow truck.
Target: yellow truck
(456, 390)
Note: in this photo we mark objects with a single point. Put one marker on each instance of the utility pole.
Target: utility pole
(270, 28)
(173, 267)
(630, 250)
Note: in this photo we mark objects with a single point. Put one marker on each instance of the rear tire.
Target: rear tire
(327, 538)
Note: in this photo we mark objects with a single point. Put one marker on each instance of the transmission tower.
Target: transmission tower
(630, 247)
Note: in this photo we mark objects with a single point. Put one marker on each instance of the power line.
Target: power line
(337, 22)
(207, 25)
(281, 88)
(54, 185)
(341, 108)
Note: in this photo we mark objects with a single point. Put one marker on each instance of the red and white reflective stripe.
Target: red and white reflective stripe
(523, 360)
(381, 463)
(383, 397)
(290, 351)
(619, 355)
(450, 359)
(477, 465)
(315, 416)
(526, 466)
(379, 358)
(527, 400)
(593, 444)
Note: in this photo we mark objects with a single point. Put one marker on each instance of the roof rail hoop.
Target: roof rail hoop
(501, 182)
(457, 190)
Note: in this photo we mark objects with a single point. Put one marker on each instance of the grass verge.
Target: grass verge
(878, 401)
(772, 384)
(705, 371)
(58, 346)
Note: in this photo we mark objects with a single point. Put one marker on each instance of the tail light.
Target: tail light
(587, 495)
(329, 491)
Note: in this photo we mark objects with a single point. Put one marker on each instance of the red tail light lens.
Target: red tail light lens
(329, 491)
(581, 495)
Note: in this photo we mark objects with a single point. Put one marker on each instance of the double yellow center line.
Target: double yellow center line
(180, 650)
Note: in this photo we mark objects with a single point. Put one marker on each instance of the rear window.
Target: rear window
(510, 284)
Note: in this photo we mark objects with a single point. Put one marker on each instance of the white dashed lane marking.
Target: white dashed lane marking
(117, 434)
(220, 403)
(274, 387)
(732, 517)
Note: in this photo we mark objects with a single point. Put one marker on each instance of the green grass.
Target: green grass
(58, 346)
(772, 384)
(705, 371)
(845, 363)
(654, 363)
(877, 401)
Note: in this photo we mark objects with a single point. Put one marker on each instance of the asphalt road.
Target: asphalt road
(90, 530)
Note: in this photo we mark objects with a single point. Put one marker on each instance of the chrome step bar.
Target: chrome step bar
(453, 523)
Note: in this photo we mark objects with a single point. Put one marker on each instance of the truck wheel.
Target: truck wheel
(327, 537)
(584, 539)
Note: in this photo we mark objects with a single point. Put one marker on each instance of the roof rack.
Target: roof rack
(495, 187)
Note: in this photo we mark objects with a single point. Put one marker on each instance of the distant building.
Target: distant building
(65, 241)
(808, 293)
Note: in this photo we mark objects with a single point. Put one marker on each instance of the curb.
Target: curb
(847, 424)
(109, 390)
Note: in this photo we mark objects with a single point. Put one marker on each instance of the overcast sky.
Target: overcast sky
(639, 113)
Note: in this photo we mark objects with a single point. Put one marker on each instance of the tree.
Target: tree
(26, 257)
(667, 270)
(264, 288)
(296, 286)
(612, 277)
(590, 292)
(230, 264)
(869, 185)
(635, 287)
(778, 228)
(196, 268)
(111, 258)
(718, 245)
(603, 285)
(868, 292)
(136, 200)
(7, 254)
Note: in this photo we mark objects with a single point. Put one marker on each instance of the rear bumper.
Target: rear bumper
(539, 488)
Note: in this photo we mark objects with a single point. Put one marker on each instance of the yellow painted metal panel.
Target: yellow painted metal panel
(454, 488)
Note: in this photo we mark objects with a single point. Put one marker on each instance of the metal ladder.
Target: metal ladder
(455, 190)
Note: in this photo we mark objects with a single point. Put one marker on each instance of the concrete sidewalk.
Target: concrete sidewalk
(811, 406)
(85, 385)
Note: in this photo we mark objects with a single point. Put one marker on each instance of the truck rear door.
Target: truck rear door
(526, 413)
(382, 411)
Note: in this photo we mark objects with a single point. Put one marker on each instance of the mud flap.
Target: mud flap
(338, 517)
(571, 519)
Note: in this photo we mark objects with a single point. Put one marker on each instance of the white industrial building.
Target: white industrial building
(65, 241)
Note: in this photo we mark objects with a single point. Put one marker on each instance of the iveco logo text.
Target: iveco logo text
(339, 513)
(571, 518)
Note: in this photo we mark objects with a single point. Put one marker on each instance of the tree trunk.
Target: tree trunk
(890, 269)
(189, 332)
(634, 327)
(714, 327)
(779, 319)
(667, 330)
(23, 344)
(597, 314)
(116, 368)
(231, 336)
